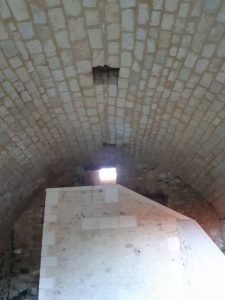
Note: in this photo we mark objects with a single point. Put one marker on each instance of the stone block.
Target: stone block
(48, 238)
(4, 10)
(127, 20)
(90, 223)
(57, 18)
(171, 5)
(72, 7)
(143, 13)
(46, 283)
(95, 38)
(62, 39)
(127, 221)
(39, 15)
(111, 194)
(127, 3)
(109, 222)
(34, 46)
(51, 261)
(19, 9)
(167, 21)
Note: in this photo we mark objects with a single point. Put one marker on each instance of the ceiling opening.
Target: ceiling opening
(105, 75)
(107, 175)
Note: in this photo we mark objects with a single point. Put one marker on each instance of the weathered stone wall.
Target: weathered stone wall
(5, 266)
(168, 106)
(161, 186)
(169, 189)
(109, 242)
(27, 250)
(26, 243)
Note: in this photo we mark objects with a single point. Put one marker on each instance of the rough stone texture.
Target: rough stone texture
(26, 255)
(168, 108)
(107, 241)
(100, 242)
(26, 246)
(170, 190)
(153, 183)
(5, 266)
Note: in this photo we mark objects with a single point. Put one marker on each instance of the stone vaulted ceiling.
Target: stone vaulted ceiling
(168, 107)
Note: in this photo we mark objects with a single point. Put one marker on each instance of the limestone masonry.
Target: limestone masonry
(168, 106)
(164, 114)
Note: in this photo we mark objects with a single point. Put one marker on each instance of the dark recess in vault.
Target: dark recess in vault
(105, 75)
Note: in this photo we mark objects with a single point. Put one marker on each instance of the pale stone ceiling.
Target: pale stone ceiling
(168, 108)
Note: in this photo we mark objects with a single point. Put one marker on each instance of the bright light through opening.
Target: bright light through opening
(108, 174)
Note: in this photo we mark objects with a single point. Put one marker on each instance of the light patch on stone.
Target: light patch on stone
(127, 221)
(48, 238)
(49, 261)
(46, 283)
(50, 218)
(173, 244)
(52, 198)
(109, 222)
(111, 194)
